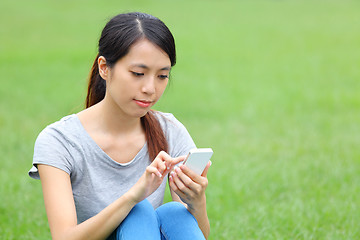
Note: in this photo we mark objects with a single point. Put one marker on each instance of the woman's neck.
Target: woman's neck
(110, 120)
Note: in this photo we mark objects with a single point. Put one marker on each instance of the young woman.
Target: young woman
(104, 170)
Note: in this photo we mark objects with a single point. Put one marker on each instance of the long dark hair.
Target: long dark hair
(118, 35)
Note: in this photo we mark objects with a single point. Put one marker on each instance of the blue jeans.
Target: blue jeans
(171, 221)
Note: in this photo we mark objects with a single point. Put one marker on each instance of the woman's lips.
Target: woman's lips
(143, 103)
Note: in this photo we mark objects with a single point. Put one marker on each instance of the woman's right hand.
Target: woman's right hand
(153, 176)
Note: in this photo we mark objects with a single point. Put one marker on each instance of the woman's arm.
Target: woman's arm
(60, 206)
(60, 209)
(189, 188)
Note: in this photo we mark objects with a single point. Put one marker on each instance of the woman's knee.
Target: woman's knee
(143, 208)
(174, 210)
(176, 222)
(141, 223)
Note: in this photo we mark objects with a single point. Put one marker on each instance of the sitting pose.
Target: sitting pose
(104, 170)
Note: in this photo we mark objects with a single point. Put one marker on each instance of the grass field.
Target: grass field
(272, 86)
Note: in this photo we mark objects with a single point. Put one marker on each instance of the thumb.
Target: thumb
(204, 174)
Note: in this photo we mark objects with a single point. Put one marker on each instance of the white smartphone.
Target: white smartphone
(197, 159)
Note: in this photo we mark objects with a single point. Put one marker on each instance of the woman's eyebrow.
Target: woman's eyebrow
(146, 67)
(166, 68)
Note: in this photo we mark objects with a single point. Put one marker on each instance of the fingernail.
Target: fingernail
(177, 169)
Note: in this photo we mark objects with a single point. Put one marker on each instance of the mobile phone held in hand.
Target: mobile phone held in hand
(197, 159)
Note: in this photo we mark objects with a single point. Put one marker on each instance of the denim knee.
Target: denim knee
(173, 209)
(177, 223)
(141, 223)
(144, 208)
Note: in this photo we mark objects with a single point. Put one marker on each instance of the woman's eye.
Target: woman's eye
(137, 74)
(163, 76)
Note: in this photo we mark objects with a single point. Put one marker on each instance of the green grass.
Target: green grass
(272, 86)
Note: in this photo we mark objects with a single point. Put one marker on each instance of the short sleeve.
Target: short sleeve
(51, 148)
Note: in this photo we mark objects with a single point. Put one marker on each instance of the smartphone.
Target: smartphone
(197, 159)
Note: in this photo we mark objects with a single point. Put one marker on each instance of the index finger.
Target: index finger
(174, 162)
(168, 160)
(178, 160)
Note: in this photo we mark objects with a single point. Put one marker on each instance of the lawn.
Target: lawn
(272, 86)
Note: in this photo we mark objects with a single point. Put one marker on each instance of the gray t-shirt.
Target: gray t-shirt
(96, 179)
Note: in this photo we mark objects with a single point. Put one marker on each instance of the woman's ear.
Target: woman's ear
(103, 68)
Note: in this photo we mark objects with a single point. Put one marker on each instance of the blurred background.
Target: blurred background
(272, 86)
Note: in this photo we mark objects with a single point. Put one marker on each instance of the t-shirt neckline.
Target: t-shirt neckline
(95, 145)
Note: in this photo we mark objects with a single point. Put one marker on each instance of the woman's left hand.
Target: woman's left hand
(189, 186)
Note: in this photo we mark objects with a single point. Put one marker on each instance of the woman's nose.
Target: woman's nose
(149, 86)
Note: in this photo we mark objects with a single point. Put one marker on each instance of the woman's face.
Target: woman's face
(137, 81)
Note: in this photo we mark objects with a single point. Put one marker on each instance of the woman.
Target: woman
(104, 170)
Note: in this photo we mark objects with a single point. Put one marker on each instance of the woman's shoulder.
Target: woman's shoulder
(168, 120)
(66, 126)
(69, 119)
(171, 126)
